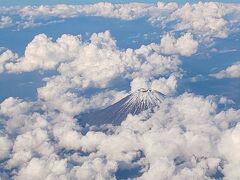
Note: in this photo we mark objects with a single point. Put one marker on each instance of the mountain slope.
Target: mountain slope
(135, 103)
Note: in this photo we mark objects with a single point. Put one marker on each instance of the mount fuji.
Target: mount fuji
(135, 103)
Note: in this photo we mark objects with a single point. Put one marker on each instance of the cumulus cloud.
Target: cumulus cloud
(5, 57)
(98, 168)
(232, 71)
(228, 147)
(164, 85)
(123, 11)
(5, 21)
(43, 140)
(184, 45)
(5, 147)
(51, 168)
(138, 83)
(186, 137)
(97, 63)
(205, 20)
(42, 53)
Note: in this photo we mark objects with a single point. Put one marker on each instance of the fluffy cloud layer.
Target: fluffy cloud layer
(232, 71)
(44, 54)
(186, 137)
(128, 11)
(81, 65)
(205, 20)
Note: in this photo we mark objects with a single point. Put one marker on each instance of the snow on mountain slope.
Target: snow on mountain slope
(135, 103)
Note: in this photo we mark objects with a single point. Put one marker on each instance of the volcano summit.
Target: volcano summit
(135, 103)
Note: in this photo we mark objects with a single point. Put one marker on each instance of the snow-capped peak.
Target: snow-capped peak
(135, 103)
(144, 99)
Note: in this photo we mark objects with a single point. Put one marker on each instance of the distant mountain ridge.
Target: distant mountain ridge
(135, 103)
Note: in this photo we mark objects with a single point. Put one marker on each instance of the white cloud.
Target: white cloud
(42, 53)
(139, 83)
(205, 20)
(186, 137)
(5, 147)
(165, 85)
(123, 11)
(5, 57)
(51, 168)
(228, 147)
(5, 21)
(93, 64)
(184, 45)
(232, 71)
(95, 169)
(29, 143)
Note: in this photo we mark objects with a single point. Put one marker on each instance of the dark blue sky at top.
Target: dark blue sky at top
(51, 2)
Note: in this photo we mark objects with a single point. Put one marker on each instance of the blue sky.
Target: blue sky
(39, 2)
